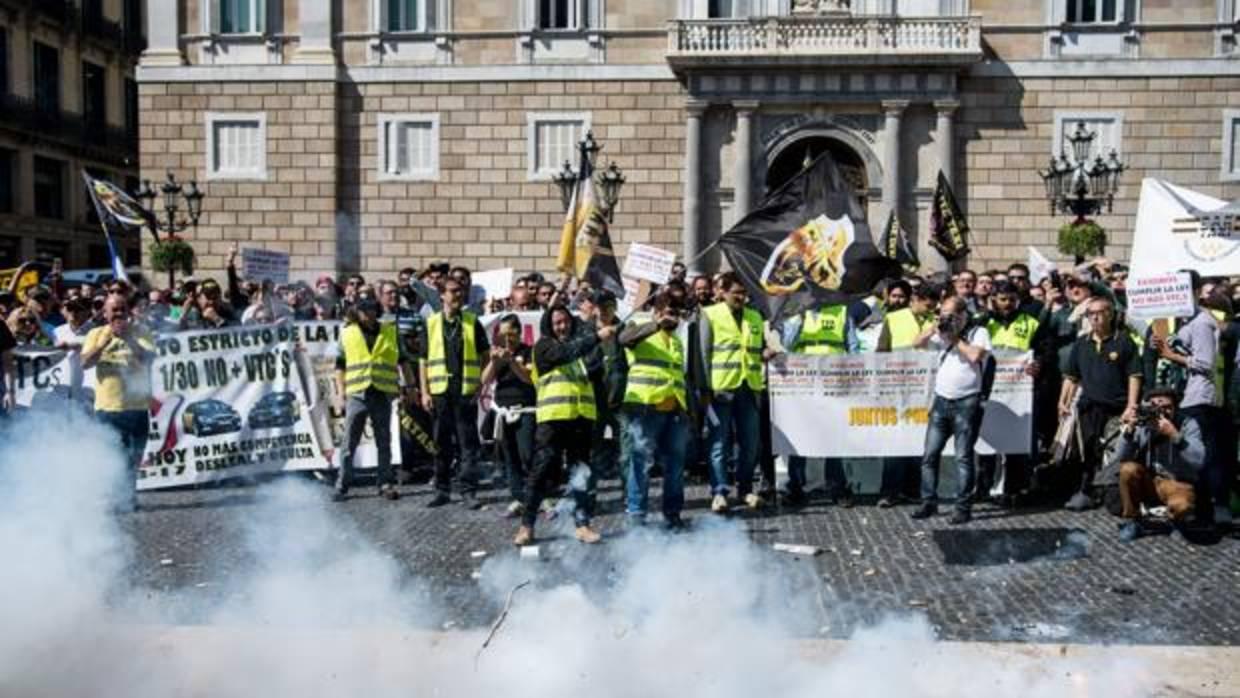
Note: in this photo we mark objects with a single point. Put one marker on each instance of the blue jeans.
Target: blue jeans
(737, 414)
(649, 437)
(956, 418)
(133, 426)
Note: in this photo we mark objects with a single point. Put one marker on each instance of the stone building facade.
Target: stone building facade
(378, 134)
(68, 102)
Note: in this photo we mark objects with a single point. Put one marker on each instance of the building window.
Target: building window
(552, 139)
(563, 15)
(1231, 145)
(1092, 12)
(49, 186)
(131, 108)
(1109, 127)
(236, 146)
(4, 60)
(51, 250)
(10, 251)
(405, 15)
(241, 16)
(8, 161)
(94, 100)
(46, 78)
(724, 9)
(409, 146)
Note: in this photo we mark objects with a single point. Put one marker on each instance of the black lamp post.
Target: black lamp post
(173, 194)
(609, 182)
(1079, 186)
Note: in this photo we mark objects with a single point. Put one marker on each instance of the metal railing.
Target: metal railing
(825, 36)
(90, 136)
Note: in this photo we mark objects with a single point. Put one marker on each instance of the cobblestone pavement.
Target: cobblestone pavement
(1029, 575)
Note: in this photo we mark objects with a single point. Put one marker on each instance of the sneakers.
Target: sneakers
(674, 523)
(960, 517)
(514, 510)
(470, 501)
(525, 536)
(924, 511)
(1079, 502)
(794, 499)
(719, 504)
(339, 495)
(753, 501)
(389, 492)
(440, 499)
(1129, 531)
(585, 534)
(886, 502)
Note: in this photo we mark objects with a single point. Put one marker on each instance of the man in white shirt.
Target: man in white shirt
(956, 410)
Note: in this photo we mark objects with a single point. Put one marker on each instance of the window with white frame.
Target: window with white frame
(727, 9)
(236, 145)
(1231, 145)
(239, 16)
(1108, 127)
(409, 146)
(552, 139)
(1093, 11)
(406, 15)
(563, 15)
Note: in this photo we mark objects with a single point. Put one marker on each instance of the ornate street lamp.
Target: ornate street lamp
(173, 194)
(609, 182)
(1080, 186)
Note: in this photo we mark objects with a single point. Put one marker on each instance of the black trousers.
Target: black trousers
(559, 446)
(456, 435)
(1093, 418)
(1219, 433)
(517, 447)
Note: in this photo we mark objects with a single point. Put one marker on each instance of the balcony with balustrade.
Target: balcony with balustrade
(878, 41)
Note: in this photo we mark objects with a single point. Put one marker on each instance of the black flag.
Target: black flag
(806, 244)
(895, 244)
(949, 231)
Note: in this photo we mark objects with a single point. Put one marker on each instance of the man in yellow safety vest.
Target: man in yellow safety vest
(913, 326)
(370, 361)
(733, 354)
(456, 352)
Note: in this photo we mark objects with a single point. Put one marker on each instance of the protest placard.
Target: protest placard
(648, 263)
(1160, 296)
(495, 283)
(264, 265)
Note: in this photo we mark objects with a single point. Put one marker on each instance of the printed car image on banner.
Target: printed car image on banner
(228, 403)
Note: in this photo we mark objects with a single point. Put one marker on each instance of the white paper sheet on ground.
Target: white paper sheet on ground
(1179, 228)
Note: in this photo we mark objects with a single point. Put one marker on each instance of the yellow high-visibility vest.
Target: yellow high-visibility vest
(822, 331)
(436, 362)
(736, 352)
(366, 366)
(1018, 334)
(904, 327)
(656, 371)
(564, 393)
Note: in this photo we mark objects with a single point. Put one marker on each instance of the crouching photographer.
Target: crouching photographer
(1161, 454)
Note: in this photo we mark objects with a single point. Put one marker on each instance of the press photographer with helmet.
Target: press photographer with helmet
(1161, 455)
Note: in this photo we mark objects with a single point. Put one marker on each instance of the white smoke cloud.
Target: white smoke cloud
(324, 613)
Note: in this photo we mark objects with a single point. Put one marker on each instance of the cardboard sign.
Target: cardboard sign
(647, 263)
(1160, 296)
(264, 265)
(496, 283)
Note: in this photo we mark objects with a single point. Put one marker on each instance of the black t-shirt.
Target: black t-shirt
(510, 390)
(1102, 368)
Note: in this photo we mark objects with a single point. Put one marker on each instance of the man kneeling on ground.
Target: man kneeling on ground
(1161, 455)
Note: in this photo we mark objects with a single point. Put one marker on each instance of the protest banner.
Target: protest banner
(1179, 228)
(495, 283)
(228, 403)
(877, 405)
(648, 263)
(264, 265)
(319, 344)
(1039, 266)
(1160, 296)
(44, 377)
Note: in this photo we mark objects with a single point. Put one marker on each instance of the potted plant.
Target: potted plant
(173, 254)
(1082, 238)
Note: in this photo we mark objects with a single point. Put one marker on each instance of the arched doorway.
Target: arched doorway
(792, 158)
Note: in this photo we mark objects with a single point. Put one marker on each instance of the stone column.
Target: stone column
(163, 33)
(744, 158)
(894, 111)
(691, 236)
(315, 41)
(944, 136)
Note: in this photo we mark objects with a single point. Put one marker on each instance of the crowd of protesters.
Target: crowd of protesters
(1139, 419)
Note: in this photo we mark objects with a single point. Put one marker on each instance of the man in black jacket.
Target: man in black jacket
(607, 362)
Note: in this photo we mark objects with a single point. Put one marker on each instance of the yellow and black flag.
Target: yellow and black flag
(949, 231)
(585, 242)
(895, 244)
(806, 244)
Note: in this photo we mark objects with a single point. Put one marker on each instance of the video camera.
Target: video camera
(1148, 415)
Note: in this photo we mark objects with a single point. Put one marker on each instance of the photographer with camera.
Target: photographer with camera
(956, 410)
(1161, 455)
